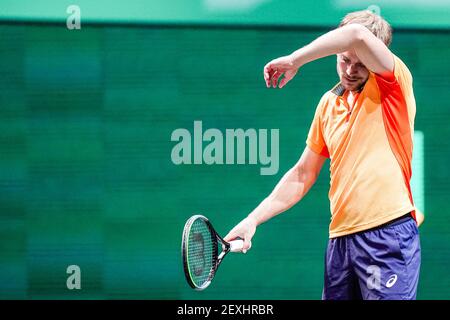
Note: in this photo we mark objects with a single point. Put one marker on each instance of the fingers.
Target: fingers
(275, 78)
(271, 75)
(247, 244)
(230, 236)
(287, 77)
(244, 235)
(244, 230)
(283, 82)
(267, 74)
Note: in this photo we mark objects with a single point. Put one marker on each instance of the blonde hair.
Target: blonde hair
(375, 23)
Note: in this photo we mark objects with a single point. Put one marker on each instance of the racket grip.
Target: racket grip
(237, 245)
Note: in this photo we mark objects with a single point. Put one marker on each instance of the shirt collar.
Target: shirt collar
(339, 89)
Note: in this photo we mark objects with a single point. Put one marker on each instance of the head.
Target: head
(352, 72)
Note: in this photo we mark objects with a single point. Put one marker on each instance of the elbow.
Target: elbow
(306, 176)
(359, 34)
(355, 34)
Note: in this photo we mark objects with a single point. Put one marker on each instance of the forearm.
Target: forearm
(333, 42)
(294, 185)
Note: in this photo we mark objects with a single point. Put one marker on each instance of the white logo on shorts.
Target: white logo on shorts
(392, 280)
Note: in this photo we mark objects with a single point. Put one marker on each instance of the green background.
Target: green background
(86, 176)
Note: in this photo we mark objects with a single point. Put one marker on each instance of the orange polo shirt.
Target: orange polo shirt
(369, 144)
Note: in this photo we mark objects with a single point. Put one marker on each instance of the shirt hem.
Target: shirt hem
(371, 225)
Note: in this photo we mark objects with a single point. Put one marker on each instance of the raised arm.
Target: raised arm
(290, 189)
(372, 52)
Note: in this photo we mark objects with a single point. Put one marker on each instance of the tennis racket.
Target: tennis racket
(203, 250)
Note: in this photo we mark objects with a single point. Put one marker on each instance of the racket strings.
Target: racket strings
(201, 252)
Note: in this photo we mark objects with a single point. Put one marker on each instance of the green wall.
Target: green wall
(86, 176)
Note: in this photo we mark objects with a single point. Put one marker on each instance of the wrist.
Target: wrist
(253, 219)
(295, 58)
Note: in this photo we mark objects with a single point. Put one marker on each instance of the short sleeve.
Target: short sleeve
(401, 75)
(315, 140)
(398, 83)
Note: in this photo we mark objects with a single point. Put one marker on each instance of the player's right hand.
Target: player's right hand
(283, 66)
(245, 230)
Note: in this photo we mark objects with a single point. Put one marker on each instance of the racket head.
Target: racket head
(199, 249)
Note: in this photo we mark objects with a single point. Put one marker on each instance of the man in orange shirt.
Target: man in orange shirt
(365, 126)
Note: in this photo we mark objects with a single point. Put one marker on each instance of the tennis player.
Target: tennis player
(365, 126)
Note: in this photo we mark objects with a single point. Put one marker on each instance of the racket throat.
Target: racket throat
(225, 250)
(221, 255)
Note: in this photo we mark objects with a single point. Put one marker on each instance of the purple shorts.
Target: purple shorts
(380, 263)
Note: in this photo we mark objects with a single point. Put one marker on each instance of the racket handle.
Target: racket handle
(237, 245)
